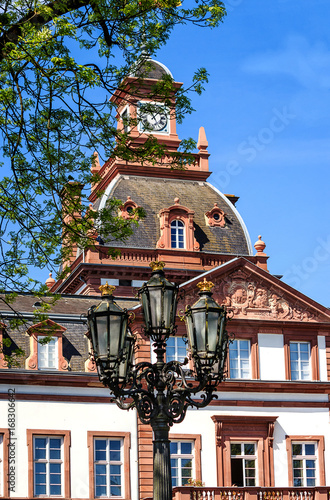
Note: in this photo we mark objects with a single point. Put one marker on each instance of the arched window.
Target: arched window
(177, 234)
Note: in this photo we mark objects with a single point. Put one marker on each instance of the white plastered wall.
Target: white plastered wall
(322, 358)
(290, 421)
(78, 418)
(271, 356)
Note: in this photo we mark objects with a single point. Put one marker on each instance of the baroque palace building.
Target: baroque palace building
(267, 434)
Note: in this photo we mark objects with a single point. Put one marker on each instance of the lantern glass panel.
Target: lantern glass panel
(190, 332)
(128, 354)
(156, 307)
(116, 338)
(145, 306)
(200, 330)
(168, 300)
(213, 317)
(102, 336)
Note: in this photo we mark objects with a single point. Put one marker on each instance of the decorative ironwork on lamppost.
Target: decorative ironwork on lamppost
(161, 392)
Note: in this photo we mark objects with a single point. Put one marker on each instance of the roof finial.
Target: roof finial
(202, 141)
(50, 281)
(260, 245)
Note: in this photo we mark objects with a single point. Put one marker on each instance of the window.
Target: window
(306, 461)
(48, 466)
(125, 120)
(176, 349)
(108, 467)
(181, 462)
(245, 450)
(239, 359)
(177, 234)
(49, 463)
(300, 360)
(109, 464)
(243, 464)
(304, 464)
(215, 217)
(177, 229)
(47, 354)
(301, 355)
(129, 209)
(185, 452)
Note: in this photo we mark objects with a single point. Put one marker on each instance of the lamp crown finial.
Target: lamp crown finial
(107, 289)
(205, 286)
(157, 265)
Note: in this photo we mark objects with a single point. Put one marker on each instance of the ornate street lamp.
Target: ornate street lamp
(161, 392)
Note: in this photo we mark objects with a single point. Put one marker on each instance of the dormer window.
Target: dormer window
(177, 228)
(215, 217)
(177, 234)
(46, 347)
(128, 210)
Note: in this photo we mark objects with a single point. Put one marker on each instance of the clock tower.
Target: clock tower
(188, 224)
(145, 105)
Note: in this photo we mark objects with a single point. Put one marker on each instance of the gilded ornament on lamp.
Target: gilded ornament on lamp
(205, 286)
(107, 289)
(157, 265)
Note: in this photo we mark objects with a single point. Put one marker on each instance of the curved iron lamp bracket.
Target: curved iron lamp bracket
(160, 389)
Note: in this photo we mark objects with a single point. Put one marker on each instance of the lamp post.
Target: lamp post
(161, 392)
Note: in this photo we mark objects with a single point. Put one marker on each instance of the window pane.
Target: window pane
(100, 469)
(55, 489)
(40, 489)
(249, 449)
(115, 480)
(115, 469)
(173, 448)
(115, 445)
(115, 491)
(297, 449)
(186, 448)
(100, 491)
(115, 456)
(235, 449)
(310, 449)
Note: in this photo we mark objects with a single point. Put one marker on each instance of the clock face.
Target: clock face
(153, 120)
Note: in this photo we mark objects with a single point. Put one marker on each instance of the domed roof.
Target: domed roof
(149, 68)
(156, 194)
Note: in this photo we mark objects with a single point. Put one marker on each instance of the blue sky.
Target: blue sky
(266, 112)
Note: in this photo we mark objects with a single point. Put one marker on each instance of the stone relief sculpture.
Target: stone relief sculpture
(243, 296)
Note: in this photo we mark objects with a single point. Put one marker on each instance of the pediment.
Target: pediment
(249, 292)
(47, 326)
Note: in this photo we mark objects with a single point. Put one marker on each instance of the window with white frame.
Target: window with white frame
(240, 359)
(176, 349)
(304, 463)
(182, 462)
(300, 356)
(177, 234)
(243, 459)
(108, 465)
(47, 354)
(125, 120)
(48, 466)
